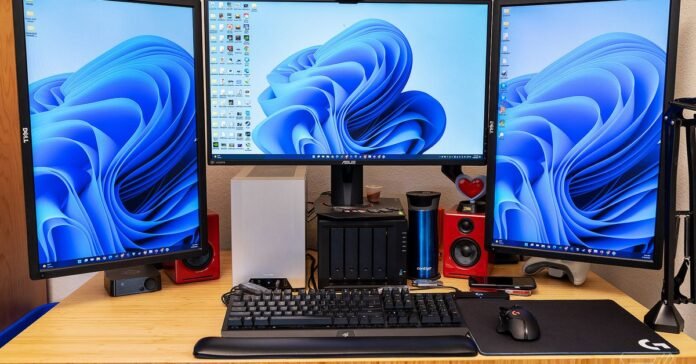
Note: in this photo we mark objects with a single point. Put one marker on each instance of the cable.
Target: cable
(225, 298)
(311, 281)
(455, 289)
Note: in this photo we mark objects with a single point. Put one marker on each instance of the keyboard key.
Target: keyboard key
(431, 319)
(261, 321)
(240, 314)
(234, 322)
(291, 321)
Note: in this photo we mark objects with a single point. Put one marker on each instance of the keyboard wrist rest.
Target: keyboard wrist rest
(333, 347)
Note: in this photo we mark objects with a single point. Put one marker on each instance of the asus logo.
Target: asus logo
(350, 163)
(25, 135)
(491, 127)
(424, 268)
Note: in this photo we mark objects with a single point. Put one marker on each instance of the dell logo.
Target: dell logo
(350, 163)
(491, 127)
(653, 346)
(25, 135)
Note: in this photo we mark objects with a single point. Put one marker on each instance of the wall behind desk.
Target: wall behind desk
(18, 294)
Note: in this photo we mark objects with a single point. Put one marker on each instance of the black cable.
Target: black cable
(309, 212)
(225, 298)
(311, 282)
(456, 290)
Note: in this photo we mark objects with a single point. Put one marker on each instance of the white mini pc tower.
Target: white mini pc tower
(268, 224)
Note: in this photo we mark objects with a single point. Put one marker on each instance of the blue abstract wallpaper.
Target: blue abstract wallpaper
(115, 154)
(578, 159)
(347, 96)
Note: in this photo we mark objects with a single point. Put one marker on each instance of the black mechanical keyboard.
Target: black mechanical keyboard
(342, 313)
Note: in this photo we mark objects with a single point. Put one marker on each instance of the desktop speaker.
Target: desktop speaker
(203, 267)
(462, 242)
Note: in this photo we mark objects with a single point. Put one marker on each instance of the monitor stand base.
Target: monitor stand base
(575, 271)
(664, 317)
(132, 280)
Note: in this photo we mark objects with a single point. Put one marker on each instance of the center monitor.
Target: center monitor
(322, 82)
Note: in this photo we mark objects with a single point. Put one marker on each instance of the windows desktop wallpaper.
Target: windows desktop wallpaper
(360, 79)
(581, 98)
(113, 121)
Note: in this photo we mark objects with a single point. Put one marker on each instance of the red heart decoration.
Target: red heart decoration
(471, 188)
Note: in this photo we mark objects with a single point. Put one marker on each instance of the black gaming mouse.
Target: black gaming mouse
(519, 323)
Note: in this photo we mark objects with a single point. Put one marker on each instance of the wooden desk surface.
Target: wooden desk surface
(90, 326)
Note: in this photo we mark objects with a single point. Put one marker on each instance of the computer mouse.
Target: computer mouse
(519, 323)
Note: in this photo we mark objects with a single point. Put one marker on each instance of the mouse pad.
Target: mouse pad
(579, 327)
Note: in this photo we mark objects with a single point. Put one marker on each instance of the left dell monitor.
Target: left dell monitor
(112, 132)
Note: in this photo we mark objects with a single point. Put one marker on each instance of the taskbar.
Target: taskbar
(222, 158)
(574, 250)
(114, 257)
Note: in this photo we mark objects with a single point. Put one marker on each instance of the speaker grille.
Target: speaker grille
(202, 261)
(465, 252)
(465, 225)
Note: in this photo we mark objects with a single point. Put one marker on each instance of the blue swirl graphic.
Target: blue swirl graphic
(115, 154)
(347, 97)
(579, 161)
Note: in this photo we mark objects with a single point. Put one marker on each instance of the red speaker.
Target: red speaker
(463, 250)
(203, 267)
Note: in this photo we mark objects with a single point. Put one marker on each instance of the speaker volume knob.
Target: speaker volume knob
(150, 284)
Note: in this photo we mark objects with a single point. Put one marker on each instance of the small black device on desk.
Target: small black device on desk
(364, 322)
(519, 286)
(363, 245)
(493, 282)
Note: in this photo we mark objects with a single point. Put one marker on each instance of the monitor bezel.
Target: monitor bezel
(413, 162)
(35, 271)
(661, 213)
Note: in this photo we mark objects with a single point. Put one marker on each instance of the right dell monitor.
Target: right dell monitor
(575, 145)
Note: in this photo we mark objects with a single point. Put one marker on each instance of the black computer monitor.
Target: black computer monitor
(110, 100)
(377, 82)
(576, 148)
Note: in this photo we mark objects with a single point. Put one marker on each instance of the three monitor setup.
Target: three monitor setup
(563, 99)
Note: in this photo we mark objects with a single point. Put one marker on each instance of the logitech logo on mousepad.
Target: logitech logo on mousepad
(570, 327)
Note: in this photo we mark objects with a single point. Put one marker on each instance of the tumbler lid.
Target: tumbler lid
(423, 199)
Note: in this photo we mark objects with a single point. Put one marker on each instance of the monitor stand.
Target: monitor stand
(346, 185)
(132, 280)
(575, 271)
